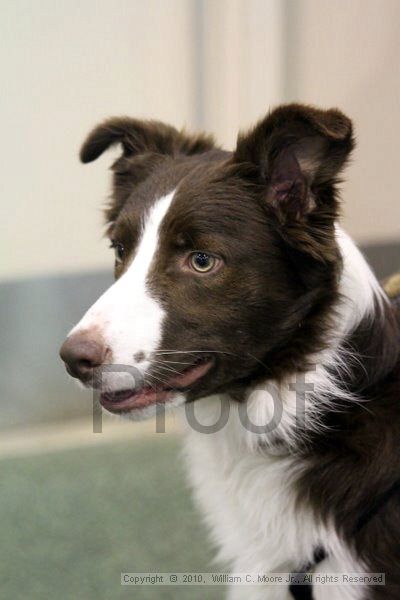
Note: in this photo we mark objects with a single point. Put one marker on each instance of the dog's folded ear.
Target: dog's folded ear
(139, 137)
(145, 144)
(297, 151)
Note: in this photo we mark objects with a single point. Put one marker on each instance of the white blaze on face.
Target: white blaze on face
(127, 316)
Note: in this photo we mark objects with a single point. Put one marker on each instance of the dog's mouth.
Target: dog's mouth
(130, 399)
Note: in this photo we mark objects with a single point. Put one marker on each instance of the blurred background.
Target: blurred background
(79, 507)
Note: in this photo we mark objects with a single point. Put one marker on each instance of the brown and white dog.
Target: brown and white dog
(236, 288)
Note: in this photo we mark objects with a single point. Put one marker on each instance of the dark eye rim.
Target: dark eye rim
(216, 262)
(119, 250)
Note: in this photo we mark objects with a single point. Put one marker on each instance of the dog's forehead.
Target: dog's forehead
(195, 182)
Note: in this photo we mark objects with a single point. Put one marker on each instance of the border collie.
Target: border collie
(237, 293)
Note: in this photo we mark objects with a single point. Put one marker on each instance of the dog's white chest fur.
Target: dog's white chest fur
(248, 499)
(247, 496)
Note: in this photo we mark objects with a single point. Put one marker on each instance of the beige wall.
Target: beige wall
(218, 63)
(346, 53)
(243, 58)
(66, 65)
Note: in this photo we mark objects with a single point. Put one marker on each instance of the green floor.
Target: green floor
(72, 521)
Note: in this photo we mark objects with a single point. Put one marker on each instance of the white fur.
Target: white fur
(249, 504)
(358, 285)
(243, 481)
(340, 560)
(127, 316)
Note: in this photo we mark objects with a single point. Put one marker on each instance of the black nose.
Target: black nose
(82, 352)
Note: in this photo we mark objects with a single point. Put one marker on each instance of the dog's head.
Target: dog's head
(226, 263)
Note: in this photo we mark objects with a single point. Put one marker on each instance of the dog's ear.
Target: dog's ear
(296, 152)
(141, 137)
(145, 144)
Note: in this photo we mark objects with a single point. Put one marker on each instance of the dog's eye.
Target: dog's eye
(119, 250)
(202, 262)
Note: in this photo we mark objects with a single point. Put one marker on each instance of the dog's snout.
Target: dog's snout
(81, 353)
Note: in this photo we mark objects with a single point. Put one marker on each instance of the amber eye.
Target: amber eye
(202, 262)
(119, 250)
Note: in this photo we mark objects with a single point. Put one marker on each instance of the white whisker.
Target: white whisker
(154, 377)
(167, 368)
(172, 362)
(194, 352)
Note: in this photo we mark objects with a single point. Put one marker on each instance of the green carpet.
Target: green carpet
(72, 521)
